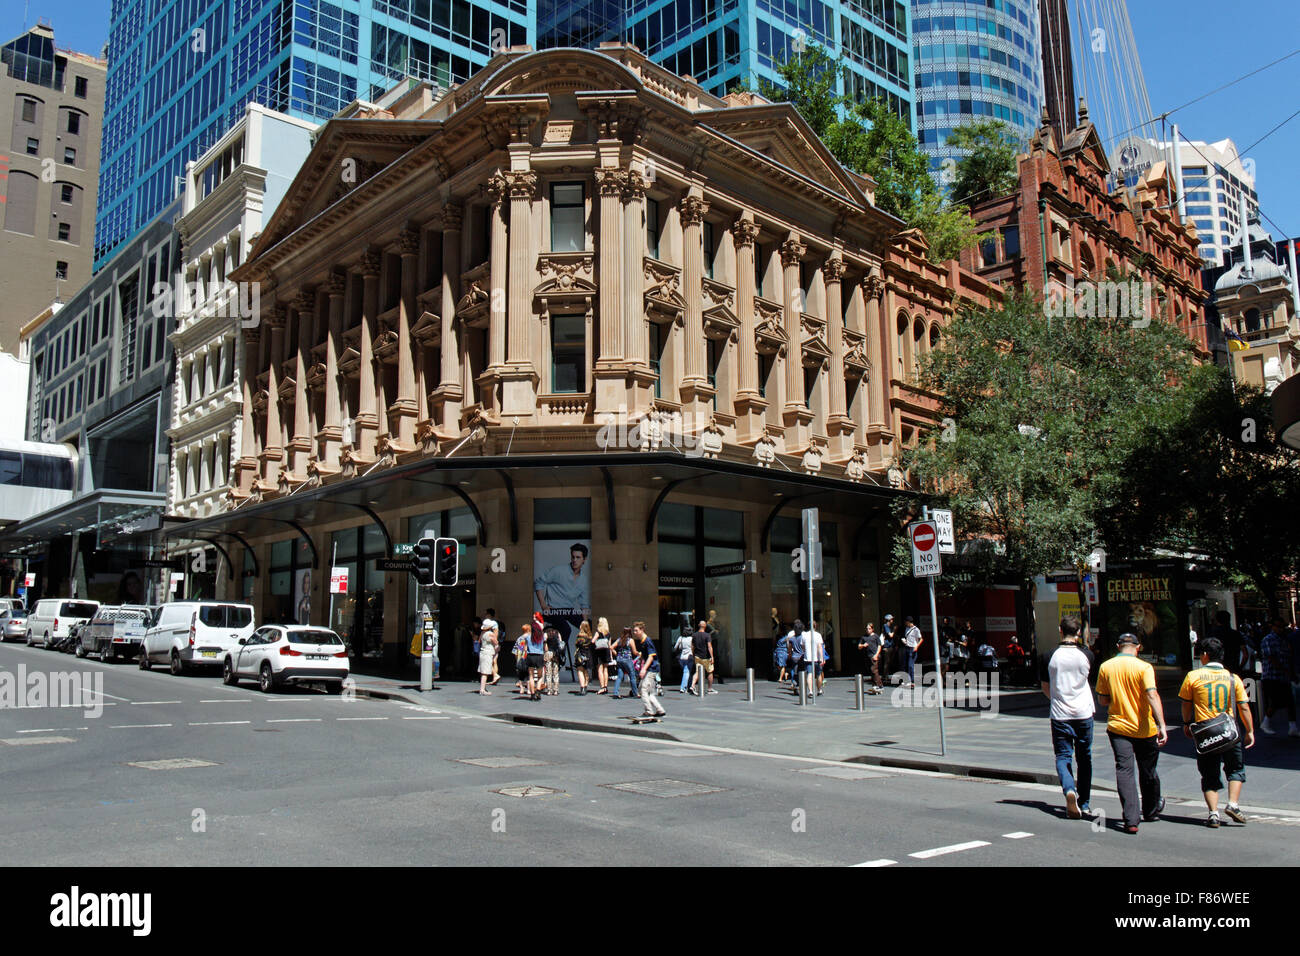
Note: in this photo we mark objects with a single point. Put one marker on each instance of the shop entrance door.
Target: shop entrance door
(676, 617)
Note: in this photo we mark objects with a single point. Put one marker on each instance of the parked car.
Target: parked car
(13, 604)
(13, 624)
(185, 634)
(114, 631)
(288, 654)
(51, 618)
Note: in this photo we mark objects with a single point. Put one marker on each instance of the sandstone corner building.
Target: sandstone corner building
(610, 331)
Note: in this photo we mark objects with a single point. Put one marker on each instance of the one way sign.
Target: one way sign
(925, 550)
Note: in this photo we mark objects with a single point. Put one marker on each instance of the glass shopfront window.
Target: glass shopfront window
(293, 584)
(358, 616)
(790, 591)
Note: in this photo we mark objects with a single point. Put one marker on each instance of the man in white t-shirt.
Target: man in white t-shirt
(812, 639)
(912, 641)
(1065, 682)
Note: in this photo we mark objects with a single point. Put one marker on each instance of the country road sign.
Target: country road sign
(942, 519)
(925, 550)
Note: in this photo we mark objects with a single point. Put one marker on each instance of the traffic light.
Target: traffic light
(423, 554)
(447, 562)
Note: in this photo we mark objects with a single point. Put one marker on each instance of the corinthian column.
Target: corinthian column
(273, 448)
(839, 425)
(796, 415)
(449, 391)
(636, 334)
(330, 438)
(750, 406)
(246, 467)
(519, 379)
(610, 372)
(404, 410)
(300, 444)
(366, 427)
(696, 392)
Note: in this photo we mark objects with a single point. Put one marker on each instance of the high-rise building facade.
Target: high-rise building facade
(181, 71)
(725, 43)
(975, 61)
(52, 104)
(1215, 178)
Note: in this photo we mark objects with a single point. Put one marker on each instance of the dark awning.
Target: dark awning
(117, 511)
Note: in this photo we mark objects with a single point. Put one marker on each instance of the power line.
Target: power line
(1211, 93)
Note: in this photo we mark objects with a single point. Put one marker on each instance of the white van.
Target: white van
(188, 634)
(50, 621)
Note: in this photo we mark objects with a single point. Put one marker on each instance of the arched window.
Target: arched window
(903, 358)
(1252, 320)
(919, 343)
(1086, 261)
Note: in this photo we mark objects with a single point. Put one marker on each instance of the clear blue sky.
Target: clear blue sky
(1187, 47)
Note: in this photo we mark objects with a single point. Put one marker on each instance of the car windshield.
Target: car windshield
(77, 609)
(314, 637)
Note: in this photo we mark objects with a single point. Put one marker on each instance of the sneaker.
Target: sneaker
(1264, 727)
(662, 714)
(1155, 813)
(1087, 811)
(1212, 821)
(1072, 806)
(1130, 828)
(712, 691)
(1233, 812)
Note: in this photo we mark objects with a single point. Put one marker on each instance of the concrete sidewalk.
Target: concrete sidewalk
(1006, 737)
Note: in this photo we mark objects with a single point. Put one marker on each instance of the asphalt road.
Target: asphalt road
(301, 778)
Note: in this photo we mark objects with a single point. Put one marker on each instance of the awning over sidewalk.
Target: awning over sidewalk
(433, 478)
(108, 512)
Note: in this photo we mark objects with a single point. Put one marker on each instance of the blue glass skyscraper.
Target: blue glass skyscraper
(180, 72)
(723, 43)
(975, 59)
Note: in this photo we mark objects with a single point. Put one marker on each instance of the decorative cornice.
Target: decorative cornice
(792, 251)
(744, 232)
(693, 210)
(452, 217)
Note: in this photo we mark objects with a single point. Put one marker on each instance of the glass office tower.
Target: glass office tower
(975, 59)
(725, 43)
(180, 72)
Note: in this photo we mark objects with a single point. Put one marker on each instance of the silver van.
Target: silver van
(185, 634)
(50, 620)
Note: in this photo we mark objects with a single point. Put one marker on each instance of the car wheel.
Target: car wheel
(228, 674)
(266, 679)
(80, 651)
(46, 641)
(178, 666)
(29, 639)
(108, 655)
(334, 687)
(144, 661)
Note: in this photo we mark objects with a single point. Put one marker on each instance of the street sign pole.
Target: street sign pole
(811, 540)
(938, 673)
(426, 642)
(334, 559)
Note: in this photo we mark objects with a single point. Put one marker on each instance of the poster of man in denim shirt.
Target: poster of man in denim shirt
(562, 592)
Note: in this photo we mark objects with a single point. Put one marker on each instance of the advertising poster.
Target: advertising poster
(562, 582)
(1143, 602)
(302, 597)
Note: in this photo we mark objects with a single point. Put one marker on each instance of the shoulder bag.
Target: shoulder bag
(1220, 732)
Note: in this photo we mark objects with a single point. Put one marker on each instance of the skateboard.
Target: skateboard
(645, 720)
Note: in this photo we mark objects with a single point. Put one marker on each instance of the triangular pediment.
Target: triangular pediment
(346, 155)
(778, 132)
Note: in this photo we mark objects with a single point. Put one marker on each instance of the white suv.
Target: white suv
(289, 653)
(50, 620)
(186, 634)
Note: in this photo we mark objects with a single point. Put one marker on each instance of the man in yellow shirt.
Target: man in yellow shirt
(1126, 687)
(1206, 692)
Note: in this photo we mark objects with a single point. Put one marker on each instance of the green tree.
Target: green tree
(1041, 415)
(989, 168)
(1225, 493)
(870, 139)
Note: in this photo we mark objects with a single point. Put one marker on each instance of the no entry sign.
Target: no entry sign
(925, 549)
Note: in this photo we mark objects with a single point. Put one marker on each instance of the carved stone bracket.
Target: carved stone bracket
(765, 451)
(452, 217)
(664, 302)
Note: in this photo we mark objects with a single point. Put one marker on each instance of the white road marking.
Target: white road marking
(444, 717)
(142, 703)
(133, 726)
(1018, 835)
(100, 693)
(218, 723)
(876, 863)
(945, 850)
(294, 720)
(360, 718)
(227, 700)
(24, 741)
(44, 730)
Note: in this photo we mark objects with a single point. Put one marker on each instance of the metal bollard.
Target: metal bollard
(857, 691)
(749, 684)
(803, 690)
(426, 671)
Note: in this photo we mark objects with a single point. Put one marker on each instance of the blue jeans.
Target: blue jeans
(625, 666)
(686, 672)
(909, 663)
(1072, 741)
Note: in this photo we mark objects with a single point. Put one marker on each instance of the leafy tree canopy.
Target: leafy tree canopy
(988, 169)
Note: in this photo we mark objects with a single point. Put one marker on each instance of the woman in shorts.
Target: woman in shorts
(602, 654)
